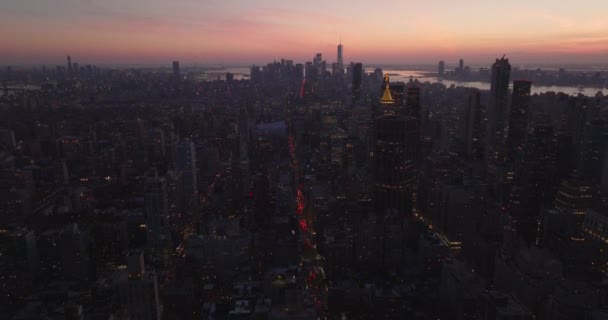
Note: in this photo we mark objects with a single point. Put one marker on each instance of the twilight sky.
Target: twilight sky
(249, 31)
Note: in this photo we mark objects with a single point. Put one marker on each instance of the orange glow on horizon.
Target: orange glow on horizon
(243, 32)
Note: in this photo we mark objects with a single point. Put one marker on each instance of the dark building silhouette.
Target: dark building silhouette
(340, 57)
(497, 110)
(518, 117)
(413, 102)
(394, 154)
(473, 126)
(357, 70)
(441, 69)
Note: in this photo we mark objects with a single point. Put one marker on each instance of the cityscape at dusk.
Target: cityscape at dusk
(274, 160)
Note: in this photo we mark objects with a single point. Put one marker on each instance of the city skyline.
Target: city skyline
(239, 32)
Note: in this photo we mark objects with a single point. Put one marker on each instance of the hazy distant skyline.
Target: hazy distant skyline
(245, 32)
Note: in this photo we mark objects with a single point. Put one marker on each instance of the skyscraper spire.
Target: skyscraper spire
(387, 98)
(340, 56)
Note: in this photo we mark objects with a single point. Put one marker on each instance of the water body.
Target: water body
(422, 76)
(406, 75)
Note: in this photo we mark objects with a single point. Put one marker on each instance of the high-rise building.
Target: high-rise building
(357, 70)
(497, 110)
(185, 162)
(441, 69)
(318, 59)
(574, 198)
(473, 127)
(69, 64)
(413, 102)
(393, 155)
(176, 69)
(518, 117)
(340, 57)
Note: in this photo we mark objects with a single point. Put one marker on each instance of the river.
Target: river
(405, 75)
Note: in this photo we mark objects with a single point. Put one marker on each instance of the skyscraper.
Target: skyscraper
(394, 154)
(441, 69)
(69, 64)
(318, 58)
(473, 126)
(497, 111)
(357, 70)
(518, 117)
(176, 69)
(340, 57)
(413, 102)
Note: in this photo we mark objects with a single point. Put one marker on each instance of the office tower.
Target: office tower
(156, 204)
(340, 57)
(461, 65)
(176, 69)
(185, 162)
(473, 126)
(518, 117)
(413, 103)
(139, 291)
(441, 69)
(538, 179)
(318, 59)
(69, 64)
(574, 198)
(497, 110)
(393, 155)
(357, 70)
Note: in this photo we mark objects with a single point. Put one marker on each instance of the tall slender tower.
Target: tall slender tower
(357, 71)
(473, 127)
(518, 117)
(497, 111)
(69, 64)
(340, 56)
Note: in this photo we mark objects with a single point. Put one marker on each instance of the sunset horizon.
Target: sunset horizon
(238, 32)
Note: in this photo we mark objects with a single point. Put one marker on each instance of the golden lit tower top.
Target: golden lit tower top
(387, 98)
